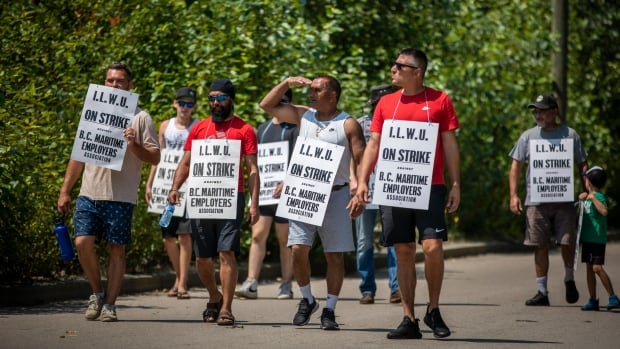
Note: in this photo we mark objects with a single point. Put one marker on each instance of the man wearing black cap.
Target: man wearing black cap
(220, 237)
(365, 224)
(172, 135)
(549, 216)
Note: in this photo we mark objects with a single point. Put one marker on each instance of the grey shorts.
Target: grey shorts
(336, 233)
(550, 222)
(178, 226)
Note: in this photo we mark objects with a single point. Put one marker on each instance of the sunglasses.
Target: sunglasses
(219, 98)
(186, 104)
(400, 66)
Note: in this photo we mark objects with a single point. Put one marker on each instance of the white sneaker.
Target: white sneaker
(285, 291)
(108, 313)
(94, 307)
(249, 289)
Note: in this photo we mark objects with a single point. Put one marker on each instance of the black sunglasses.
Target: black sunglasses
(186, 104)
(400, 66)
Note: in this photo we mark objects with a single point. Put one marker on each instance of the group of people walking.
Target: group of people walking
(105, 204)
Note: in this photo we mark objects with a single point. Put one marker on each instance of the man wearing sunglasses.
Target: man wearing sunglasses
(416, 102)
(321, 120)
(172, 135)
(221, 237)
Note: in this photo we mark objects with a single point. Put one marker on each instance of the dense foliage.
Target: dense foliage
(492, 57)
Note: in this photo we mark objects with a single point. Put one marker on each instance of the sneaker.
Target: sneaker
(285, 291)
(395, 297)
(305, 309)
(572, 295)
(407, 329)
(108, 313)
(328, 320)
(249, 290)
(435, 322)
(591, 305)
(367, 298)
(538, 299)
(94, 307)
(614, 302)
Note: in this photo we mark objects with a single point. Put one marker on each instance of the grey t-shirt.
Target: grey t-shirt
(521, 150)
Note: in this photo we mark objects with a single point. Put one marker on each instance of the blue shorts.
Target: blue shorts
(110, 220)
(399, 224)
(212, 236)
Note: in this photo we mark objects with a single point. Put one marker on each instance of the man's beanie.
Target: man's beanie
(224, 86)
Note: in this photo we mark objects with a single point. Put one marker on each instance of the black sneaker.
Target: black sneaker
(572, 295)
(302, 317)
(408, 329)
(435, 322)
(538, 300)
(328, 320)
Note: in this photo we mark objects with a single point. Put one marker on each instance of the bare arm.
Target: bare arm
(290, 113)
(367, 163)
(74, 169)
(452, 157)
(251, 164)
(513, 180)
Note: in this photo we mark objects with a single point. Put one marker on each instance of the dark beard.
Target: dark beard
(220, 113)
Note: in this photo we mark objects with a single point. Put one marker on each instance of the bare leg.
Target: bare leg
(116, 272)
(541, 260)
(301, 264)
(405, 256)
(602, 275)
(335, 272)
(85, 246)
(170, 244)
(286, 258)
(185, 257)
(228, 276)
(433, 269)
(260, 233)
(206, 273)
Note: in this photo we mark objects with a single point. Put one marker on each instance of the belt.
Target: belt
(340, 186)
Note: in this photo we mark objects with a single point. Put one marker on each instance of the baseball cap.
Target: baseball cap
(376, 92)
(186, 92)
(544, 102)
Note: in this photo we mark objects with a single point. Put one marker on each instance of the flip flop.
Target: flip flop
(212, 313)
(183, 295)
(174, 292)
(225, 319)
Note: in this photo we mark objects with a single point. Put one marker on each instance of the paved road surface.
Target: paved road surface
(482, 301)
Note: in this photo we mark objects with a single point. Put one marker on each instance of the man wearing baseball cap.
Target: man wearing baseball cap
(220, 238)
(549, 218)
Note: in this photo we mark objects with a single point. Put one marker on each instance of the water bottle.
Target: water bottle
(64, 240)
(166, 216)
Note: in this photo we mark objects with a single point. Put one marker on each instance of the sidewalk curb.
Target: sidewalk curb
(25, 295)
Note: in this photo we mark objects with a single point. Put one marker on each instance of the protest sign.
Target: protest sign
(404, 170)
(106, 113)
(551, 170)
(272, 164)
(162, 182)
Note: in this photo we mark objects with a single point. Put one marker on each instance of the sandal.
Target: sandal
(212, 312)
(183, 295)
(174, 292)
(225, 319)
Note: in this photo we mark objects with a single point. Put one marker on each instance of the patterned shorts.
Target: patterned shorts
(110, 220)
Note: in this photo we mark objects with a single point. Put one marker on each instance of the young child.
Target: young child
(594, 237)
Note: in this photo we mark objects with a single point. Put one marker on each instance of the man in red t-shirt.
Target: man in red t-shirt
(416, 102)
(221, 237)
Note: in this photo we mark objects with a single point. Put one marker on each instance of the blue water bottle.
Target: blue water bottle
(166, 216)
(64, 240)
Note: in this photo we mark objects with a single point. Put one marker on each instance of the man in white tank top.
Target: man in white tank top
(321, 120)
(172, 135)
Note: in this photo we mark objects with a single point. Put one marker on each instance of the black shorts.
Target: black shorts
(593, 253)
(270, 211)
(212, 236)
(178, 225)
(399, 224)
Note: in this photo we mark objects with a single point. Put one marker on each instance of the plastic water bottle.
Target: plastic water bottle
(166, 216)
(64, 240)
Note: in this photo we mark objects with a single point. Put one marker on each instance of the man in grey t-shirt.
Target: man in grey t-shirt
(553, 219)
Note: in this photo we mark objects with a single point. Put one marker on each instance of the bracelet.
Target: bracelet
(171, 190)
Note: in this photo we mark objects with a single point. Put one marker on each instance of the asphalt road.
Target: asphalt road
(482, 302)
